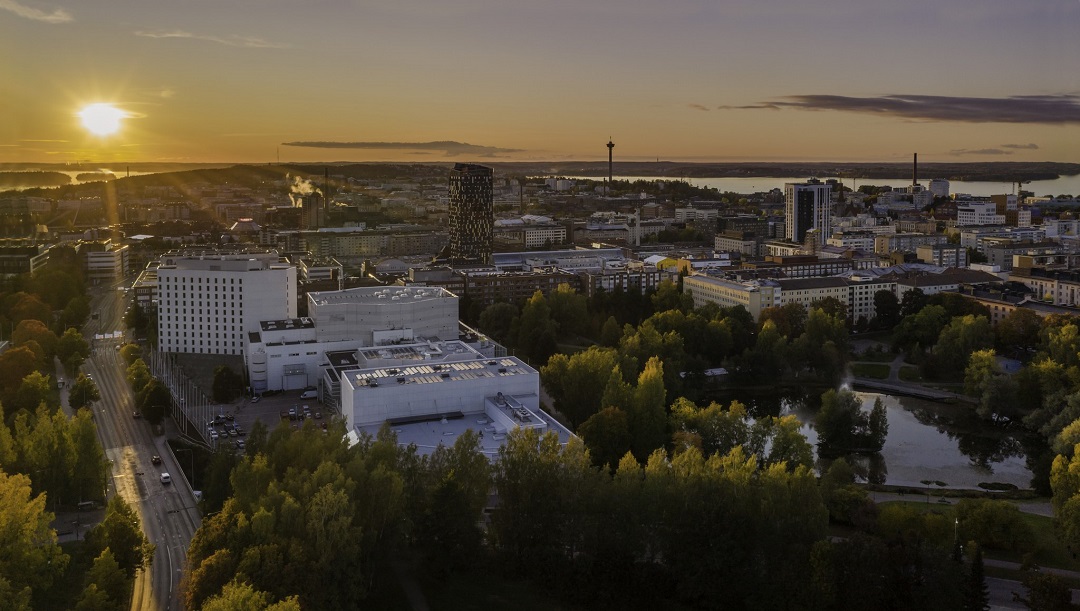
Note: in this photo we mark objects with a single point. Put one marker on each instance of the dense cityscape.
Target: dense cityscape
(467, 305)
(409, 378)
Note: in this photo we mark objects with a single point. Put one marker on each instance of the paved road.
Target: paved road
(168, 512)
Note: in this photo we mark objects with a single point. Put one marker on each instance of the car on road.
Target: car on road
(136, 414)
(155, 459)
(166, 478)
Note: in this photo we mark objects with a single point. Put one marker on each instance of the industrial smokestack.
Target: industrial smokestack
(915, 171)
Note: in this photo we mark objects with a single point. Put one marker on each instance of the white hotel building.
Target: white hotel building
(208, 301)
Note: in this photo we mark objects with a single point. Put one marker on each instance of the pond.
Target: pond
(927, 440)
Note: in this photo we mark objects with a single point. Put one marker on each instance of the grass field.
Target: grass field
(872, 356)
(910, 373)
(878, 371)
(1049, 550)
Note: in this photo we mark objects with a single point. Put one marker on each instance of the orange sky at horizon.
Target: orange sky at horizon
(685, 80)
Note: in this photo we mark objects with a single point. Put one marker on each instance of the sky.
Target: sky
(468, 80)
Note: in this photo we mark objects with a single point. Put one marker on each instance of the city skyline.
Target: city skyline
(333, 80)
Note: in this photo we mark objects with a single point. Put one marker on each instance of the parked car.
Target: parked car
(256, 398)
(309, 394)
(284, 415)
(318, 415)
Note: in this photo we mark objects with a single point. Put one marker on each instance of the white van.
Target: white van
(309, 394)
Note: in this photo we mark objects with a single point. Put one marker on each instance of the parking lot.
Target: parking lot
(269, 410)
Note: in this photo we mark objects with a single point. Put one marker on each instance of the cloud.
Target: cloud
(1047, 109)
(979, 152)
(762, 106)
(249, 42)
(1022, 147)
(699, 107)
(57, 16)
(448, 147)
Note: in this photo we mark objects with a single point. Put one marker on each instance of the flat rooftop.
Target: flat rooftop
(383, 295)
(436, 373)
(287, 324)
(428, 436)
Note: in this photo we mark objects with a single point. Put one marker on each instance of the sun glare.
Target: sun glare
(102, 119)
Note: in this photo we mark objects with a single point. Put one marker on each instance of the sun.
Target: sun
(102, 119)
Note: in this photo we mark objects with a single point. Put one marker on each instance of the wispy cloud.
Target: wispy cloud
(1022, 147)
(1047, 109)
(448, 147)
(57, 16)
(232, 40)
(979, 152)
(699, 107)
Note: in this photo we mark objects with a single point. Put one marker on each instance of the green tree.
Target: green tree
(72, 349)
(831, 306)
(90, 468)
(843, 426)
(130, 352)
(1046, 592)
(573, 381)
(106, 584)
(121, 532)
(790, 319)
(607, 436)
(647, 417)
(1019, 330)
(31, 560)
(155, 401)
(35, 330)
(960, 338)
(570, 309)
(15, 365)
(610, 333)
(886, 309)
(227, 384)
(913, 301)
(83, 392)
(669, 297)
(35, 389)
(976, 595)
(537, 331)
(241, 596)
(497, 320)
(138, 376)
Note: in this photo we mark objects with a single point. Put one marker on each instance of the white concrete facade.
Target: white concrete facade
(381, 315)
(206, 303)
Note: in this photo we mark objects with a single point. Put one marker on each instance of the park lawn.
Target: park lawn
(870, 370)
(910, 373)
(874, 356)
(1049, 551)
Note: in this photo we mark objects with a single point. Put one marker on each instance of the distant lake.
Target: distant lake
(1068, 185)
(926, 441)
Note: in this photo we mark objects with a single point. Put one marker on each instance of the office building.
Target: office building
(472, 213)
(209, 300)
(807, 206)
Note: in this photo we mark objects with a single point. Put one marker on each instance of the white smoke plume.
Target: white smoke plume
(299, 188)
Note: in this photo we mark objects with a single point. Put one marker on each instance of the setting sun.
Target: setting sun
(102, 119)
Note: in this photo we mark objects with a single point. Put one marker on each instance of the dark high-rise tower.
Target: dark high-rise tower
(472, 214)
(610, 147)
